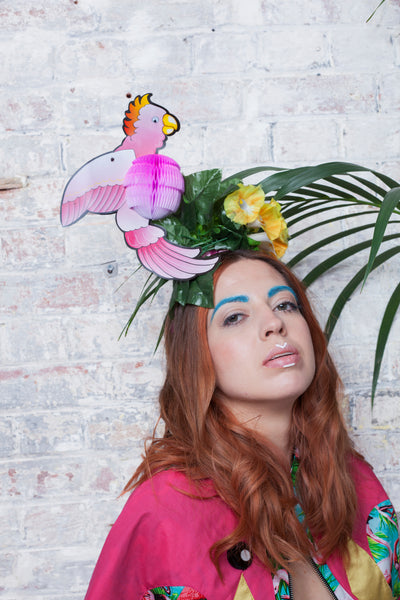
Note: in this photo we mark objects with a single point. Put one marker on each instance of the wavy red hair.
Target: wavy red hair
(203, 439)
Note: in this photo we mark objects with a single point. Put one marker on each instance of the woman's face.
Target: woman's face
(259, 341)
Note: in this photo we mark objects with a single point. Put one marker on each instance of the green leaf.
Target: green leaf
(372, 186)
(203, 181)
(330, 189)
(391, 183)
(152, 286)
(294, 179)
(356, 190)
(389, 203)
(384, 330)
(198, 291)
(349, 289)
(370, 16)
(325, 241)
(248, 172)
(330, 203)
(328, 221)
(335, 259)
(318, 212)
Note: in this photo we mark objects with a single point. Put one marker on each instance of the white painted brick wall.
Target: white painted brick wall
(279, 82)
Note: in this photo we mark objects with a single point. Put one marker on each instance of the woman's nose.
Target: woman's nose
(271, 322)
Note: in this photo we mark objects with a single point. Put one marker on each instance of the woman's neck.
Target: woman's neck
(272, 423)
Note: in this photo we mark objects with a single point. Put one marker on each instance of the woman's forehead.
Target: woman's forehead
(247, 274)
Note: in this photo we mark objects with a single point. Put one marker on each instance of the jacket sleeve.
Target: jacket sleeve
(159, 546)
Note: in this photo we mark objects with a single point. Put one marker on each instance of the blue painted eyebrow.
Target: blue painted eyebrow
(281, 288)
(230, 299)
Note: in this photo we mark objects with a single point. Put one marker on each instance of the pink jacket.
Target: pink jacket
(163, 537)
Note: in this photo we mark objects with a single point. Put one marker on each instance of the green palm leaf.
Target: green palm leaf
(318, 212)
(384, 331)
(328, 221)
(371, 15)
(325, 241)
(337, 258)
(150, 289)
(349, 289)
(311, 191)
(389, 204)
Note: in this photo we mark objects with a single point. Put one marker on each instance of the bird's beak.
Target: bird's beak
(171, 124)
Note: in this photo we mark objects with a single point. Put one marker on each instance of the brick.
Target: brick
(317, 94)
(49, 571)
(391, 483)
(388, 99)
(42, 479)
(156, 16)
(276, 12)
(222, 98)
(41, 155)
(55, 525)
(50, 433)
(96, 240)
(30, 248)
(271, 13)
(126, 429)
(303, 53)
(8, 443)
(360, 142)
(385, 414)
(79, 148)
(379, 449)
(90, 58)
(289, 137)
(250, 140)
(18, 114)
(57, 386)
(38, 203)
(141, 378)
(391, 167)
(22, 16)
(29, 340)
(25, 62)
(213, 53)
(362, 49)
(188, 147)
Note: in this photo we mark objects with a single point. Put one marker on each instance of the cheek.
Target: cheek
(226, 359)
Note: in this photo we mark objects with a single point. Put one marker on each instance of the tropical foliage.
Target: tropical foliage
(309, 198)
(313, 192)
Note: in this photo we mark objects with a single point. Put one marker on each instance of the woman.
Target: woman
(255, 490)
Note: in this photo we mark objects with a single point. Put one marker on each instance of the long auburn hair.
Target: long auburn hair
(204, 439)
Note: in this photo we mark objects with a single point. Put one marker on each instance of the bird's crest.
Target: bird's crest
(132, 114)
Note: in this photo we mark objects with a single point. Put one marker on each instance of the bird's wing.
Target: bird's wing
(173, 262)
(97, 186)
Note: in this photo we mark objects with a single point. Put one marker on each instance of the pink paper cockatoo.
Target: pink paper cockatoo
(138, 185)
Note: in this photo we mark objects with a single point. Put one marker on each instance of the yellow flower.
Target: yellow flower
(244, 204)
(274, 226)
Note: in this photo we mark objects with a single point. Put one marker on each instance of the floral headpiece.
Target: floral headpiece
(179, 225)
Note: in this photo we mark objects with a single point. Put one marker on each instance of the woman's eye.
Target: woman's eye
(232, 319)
(286, 306)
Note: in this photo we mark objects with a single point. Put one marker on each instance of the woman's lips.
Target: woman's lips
(278, 359)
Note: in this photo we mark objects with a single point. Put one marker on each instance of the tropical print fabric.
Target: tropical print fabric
(383, 541)
(173, 593)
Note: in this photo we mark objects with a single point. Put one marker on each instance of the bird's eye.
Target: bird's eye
(155, 119)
